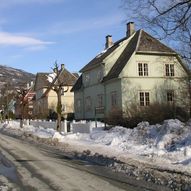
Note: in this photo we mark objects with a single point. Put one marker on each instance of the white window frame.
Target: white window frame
(169, 70)
(144, 98)
(143, 69)
(170, 96)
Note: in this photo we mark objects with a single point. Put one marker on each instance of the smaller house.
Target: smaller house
(46, 99)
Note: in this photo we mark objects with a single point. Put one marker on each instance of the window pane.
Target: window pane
(141, 98)
(145, 69)
(147, 98)
(172, 70)
(140, 68)
(167, 69)
(170, 96)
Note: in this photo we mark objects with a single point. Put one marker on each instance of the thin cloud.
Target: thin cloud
(75, 26)
(19, 40)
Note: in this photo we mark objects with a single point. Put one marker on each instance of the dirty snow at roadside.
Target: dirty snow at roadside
(167, 145)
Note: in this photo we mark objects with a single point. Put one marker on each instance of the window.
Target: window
(170, 96)
(100, 100)
(88, 103)
(62, 92)
(144, 98)
(63, 108)
(113, 99)
(143, 69)
(169, 69)
(87, 78)
(99, 76)
(78, 105)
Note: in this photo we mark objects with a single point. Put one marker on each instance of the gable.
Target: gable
(67, 78)
(41, 81)
(147, 43)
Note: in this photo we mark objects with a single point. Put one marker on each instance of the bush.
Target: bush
(155, 113)
(114, 117)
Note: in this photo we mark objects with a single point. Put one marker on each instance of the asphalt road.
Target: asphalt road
(34, 167)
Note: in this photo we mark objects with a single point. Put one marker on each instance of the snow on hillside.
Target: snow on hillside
(13, 76)
(167, 145)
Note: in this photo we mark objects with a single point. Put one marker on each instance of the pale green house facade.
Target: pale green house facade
(136, 70)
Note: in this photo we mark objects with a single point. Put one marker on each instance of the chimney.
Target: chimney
(130, 29)
(109, 42)
(62, 66)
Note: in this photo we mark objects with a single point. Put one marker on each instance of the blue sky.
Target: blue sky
(35, 33)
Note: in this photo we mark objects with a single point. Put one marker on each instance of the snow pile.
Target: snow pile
(168, 143)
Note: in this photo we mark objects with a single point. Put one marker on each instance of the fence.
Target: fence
(66, 126)
(49, 124)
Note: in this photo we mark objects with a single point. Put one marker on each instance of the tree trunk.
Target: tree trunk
(22, 115)
(59, 110)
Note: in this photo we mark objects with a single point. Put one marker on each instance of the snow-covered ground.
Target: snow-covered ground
(167, 145)
(159, 153)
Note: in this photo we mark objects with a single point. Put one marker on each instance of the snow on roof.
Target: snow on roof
(51, 77)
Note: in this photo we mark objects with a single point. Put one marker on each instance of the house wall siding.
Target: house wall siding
(156, 83)
(67, 100)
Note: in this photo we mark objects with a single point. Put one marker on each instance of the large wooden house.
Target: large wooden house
(136, 70)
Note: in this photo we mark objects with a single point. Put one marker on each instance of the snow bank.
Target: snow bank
(167, 143)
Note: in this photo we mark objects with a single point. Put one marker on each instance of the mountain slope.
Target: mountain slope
(14, 77)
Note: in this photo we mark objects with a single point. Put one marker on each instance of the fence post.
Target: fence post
(65, 126)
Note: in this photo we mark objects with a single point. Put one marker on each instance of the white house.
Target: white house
(136, 70)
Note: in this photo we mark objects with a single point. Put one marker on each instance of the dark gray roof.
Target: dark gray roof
(123, 58)
(41, 80)
(99, 58)
(141, 42)
(67, 78)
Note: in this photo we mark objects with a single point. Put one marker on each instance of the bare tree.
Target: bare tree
(7, 94)
(21, 93)
(57, 85)
(167, 19)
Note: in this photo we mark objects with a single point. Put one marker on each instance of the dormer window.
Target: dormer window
(143, 69)
(169, 68)
(87, 78)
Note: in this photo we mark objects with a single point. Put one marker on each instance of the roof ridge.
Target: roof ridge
(97, 60)
(123, 58)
